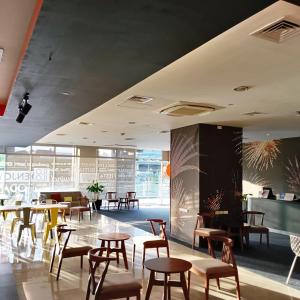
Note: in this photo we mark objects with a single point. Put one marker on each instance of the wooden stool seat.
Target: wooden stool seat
(212, 267)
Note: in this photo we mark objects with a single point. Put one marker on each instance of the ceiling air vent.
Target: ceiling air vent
(182, 108)
(280, 30)
(139, 99)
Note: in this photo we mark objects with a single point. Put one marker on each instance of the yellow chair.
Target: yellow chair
(51, 223)
(17, 217)
(25, 223)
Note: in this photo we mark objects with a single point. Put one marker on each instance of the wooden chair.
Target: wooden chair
(131, 198)
(158, 240)
(17, 217)
(84, 207)
(255, 222)
(203, 227)
(25, 223)
(295, 245)
(109, 286)
(63, 250)
(111, 197)
(214, 268)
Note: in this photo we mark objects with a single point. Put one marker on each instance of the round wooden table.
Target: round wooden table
(167, 266)
(116, 237)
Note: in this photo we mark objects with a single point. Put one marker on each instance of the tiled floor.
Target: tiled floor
(31, 262)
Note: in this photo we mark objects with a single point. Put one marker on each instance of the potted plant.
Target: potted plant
(96, 188)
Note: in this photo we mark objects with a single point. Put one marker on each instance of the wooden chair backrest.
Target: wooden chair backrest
(253, 217)
(227, 253)
(94, 261)
(60, 242)
(130, 195)
(295, 244)
(111, 196)
(204, 220)
(84, 201)
(158, 228)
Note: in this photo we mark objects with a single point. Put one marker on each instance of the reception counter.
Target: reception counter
(279, 214)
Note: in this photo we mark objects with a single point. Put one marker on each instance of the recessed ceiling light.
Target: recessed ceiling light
(242, 88)
(84, 138)
(230, 104)
(123, 133)
(66, 93)
(129, 139)
(104, 131)
(86, 123)
(139, 99)
(1, 54)
(131, 122)
(164, 131)
(94, 142)
(60, 134)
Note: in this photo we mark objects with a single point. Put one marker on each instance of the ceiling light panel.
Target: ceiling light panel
(1, 54)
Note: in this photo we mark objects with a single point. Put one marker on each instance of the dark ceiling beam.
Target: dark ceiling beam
(96, 49)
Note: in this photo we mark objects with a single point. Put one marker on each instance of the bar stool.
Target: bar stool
(295, 245)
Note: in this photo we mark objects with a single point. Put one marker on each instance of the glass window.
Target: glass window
(18, 150)
(37, 149)
(64, 175)
(107, 152)
(123, 153)
(68, 151)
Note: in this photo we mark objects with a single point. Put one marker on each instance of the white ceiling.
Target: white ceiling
(207, 74)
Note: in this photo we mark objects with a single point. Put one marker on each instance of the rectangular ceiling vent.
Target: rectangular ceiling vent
(139, 99)
(183, 108)
(280, 30)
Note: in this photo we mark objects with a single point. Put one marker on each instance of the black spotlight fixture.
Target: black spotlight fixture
(24, 108)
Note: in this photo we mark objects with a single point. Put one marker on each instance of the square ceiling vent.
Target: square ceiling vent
(279, 30)
(182, 108)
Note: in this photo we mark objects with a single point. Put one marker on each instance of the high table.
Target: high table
(167, 266)
(107, 238)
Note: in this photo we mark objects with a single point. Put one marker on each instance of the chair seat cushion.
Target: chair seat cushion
(256, 229)
(206, 232)
(76, 251)
(212, 267)
(120, 284)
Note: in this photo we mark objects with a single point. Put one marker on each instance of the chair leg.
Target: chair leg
(238, 291)
(260, 239)
(70, 215)
(268, 240)
(291, 270)
(19, 234)
(194, 241)
(13, 224)
(46, 234)
(189, 281)
(59, 267)
(52, 259)
(144, 252)
(32, 233)
(218, 283)
(157, 251)
(88, 291)
(90, 215)
(133, 253)
(81, 261)
(206, 288)
(168, 251)
(138, 296)
(78, 216)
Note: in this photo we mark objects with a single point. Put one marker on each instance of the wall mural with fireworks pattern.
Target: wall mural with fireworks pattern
(206, 175)
(273, 163)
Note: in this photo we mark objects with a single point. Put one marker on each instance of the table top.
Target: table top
(113, 236)
(33, 207)
(168, 265)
